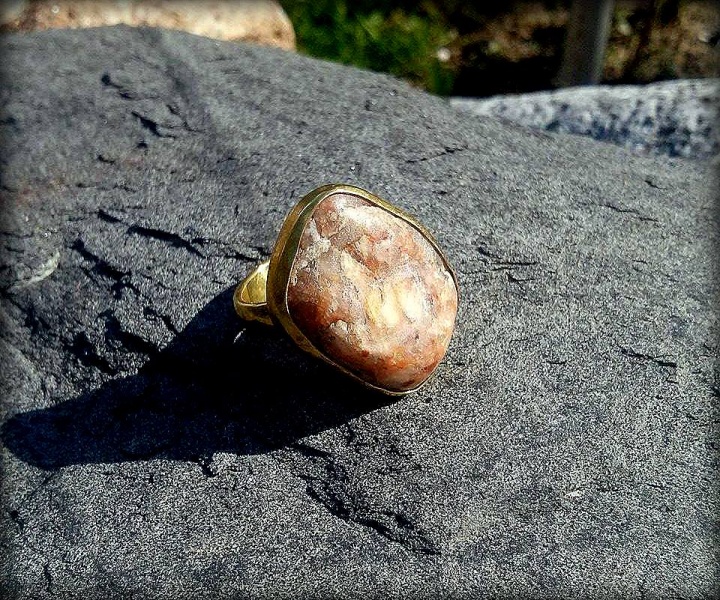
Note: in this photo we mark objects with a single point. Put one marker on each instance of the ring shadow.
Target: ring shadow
(209, 390)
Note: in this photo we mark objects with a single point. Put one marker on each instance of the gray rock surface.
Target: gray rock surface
(155, 447)
(673, 118)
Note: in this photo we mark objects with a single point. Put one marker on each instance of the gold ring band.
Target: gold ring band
(355, 281)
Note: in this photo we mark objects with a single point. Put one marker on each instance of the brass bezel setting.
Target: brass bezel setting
(269, 305)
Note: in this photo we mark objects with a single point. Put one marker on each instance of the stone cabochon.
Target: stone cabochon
(372, 293)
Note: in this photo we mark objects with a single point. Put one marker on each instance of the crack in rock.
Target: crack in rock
(329, 484)
(498, 263)
(123, 92)
(226, 250)
(168, 237)
(151, 314)
(104, 269)
(17, 519)
(446, 151)
(205, 464)
(106, 188)
(48, 577)
(85, 351)
(107, 217)
(152, 126)
(119, 339)
(172, 239)
(658, 360)
(629, 211)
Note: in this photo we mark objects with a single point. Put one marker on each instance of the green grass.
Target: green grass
(400, 40)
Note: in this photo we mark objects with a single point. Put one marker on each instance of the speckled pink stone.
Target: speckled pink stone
(371, 293)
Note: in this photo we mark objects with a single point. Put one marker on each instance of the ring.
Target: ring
(359, 284)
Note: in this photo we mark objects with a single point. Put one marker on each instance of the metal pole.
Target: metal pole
(585, 42)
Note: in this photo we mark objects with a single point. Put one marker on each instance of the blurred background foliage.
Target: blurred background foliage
(455, 47)
(388, 36)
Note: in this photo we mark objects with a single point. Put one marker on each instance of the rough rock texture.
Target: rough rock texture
(258, 21)
(372, 293)
(673, 118)
(155, 447)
